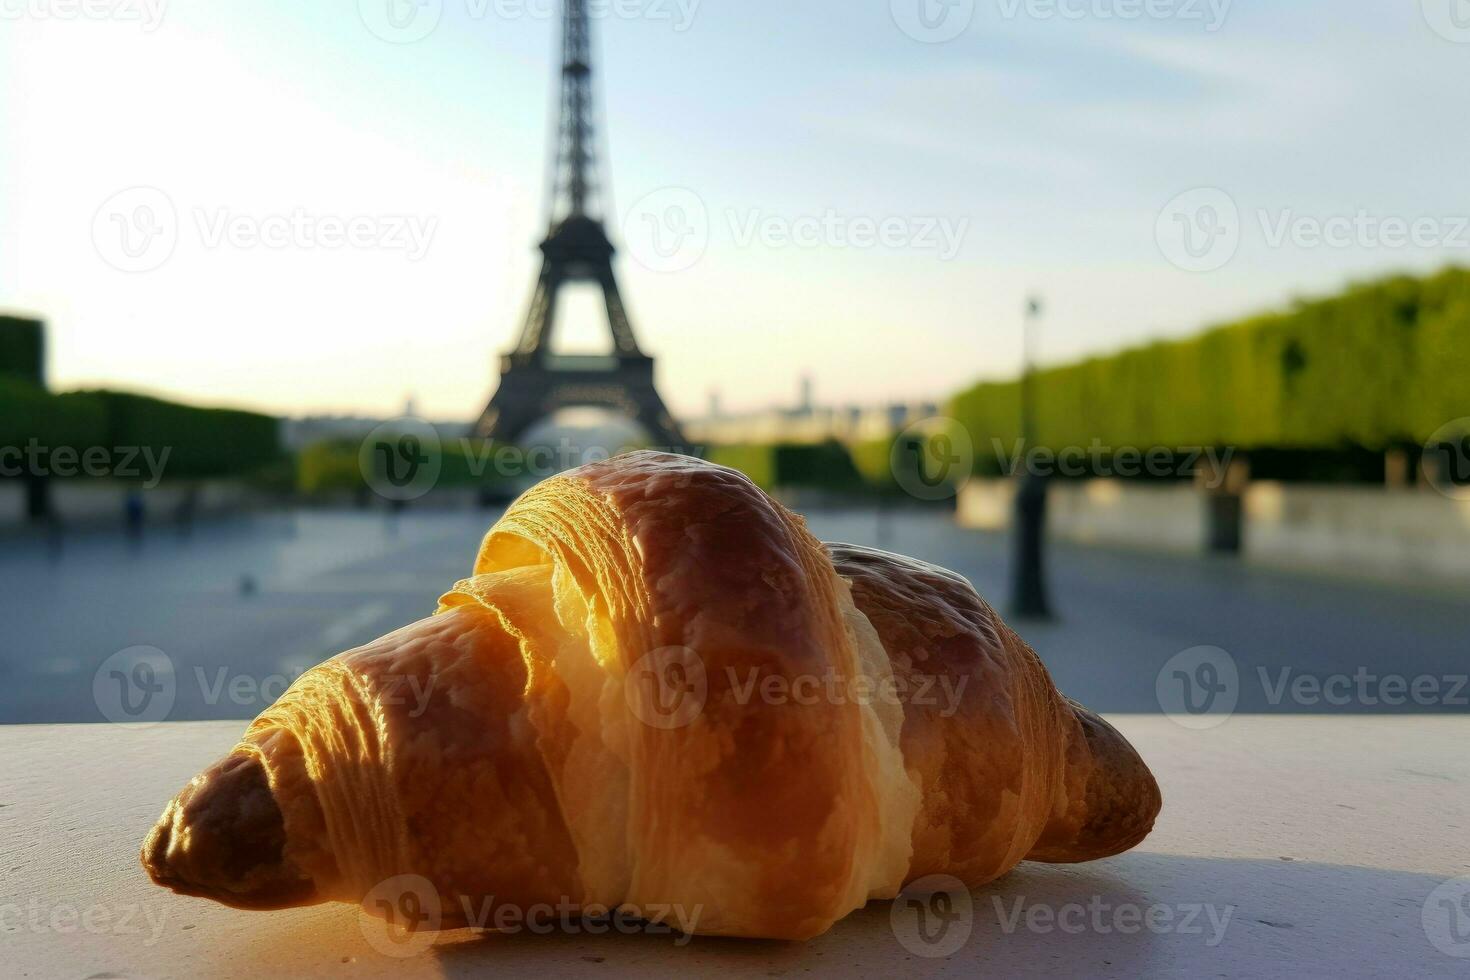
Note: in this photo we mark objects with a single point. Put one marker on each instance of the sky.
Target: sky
(333, 207)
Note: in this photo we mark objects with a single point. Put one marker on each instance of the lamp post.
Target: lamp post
(1028, 581)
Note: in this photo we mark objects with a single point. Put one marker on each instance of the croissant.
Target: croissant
(658, 689)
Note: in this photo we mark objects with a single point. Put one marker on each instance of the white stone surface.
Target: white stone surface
(1410, 534)
(1107, 512)
(1322, 839)
(1417, 535)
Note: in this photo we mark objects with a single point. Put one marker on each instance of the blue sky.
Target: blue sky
(1047, 140)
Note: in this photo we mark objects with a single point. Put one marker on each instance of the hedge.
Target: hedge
(1384, 364)
(335, 465)
(329, 465)
(874, 460)
(755, 461)
(22, 349)
(28, 411)
(201, 442)
(824, 466)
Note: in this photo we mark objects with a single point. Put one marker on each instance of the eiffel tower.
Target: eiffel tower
(534, 382)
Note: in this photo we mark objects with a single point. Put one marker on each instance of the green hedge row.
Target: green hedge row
(874, 460)
(22, 349)
(755, 461)
(28, 411)
(201, 442)
(823, 466)
(1385, 363)
(335, 465)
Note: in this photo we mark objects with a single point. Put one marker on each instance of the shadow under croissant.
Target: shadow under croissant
(869, 929)
(1292, 914)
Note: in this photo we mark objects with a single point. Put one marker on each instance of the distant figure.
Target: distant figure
(184, 513)
(55, 536)
(133, 514)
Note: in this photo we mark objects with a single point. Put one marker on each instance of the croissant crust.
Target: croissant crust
(656, 690)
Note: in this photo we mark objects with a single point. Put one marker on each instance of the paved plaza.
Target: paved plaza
(240, 607)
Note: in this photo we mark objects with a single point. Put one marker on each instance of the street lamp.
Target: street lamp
(1028, 581)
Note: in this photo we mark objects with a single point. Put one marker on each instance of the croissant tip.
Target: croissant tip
(223, 838)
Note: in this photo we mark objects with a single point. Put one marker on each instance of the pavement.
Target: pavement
(235, 610)
(1288, 847)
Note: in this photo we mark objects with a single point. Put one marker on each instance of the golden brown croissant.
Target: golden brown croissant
(658, 690)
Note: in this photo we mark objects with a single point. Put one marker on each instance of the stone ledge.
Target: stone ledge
(1320, 838)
